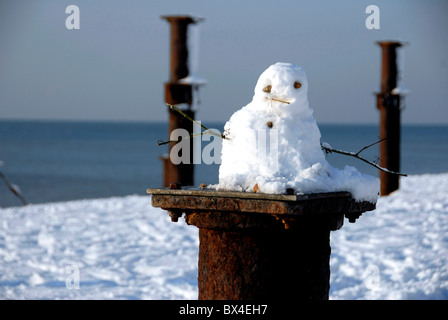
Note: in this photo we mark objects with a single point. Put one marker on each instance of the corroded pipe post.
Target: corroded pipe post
(262, 246)
(388, 103)
(178, 46)
(264, 262)
(179, 93)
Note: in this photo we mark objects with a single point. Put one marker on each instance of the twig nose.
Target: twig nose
(278, 100)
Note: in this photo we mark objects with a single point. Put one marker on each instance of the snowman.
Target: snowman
(273, 143)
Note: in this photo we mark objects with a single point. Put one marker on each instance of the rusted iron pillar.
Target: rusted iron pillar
(177, 93)
(388, 102)
(262, 246)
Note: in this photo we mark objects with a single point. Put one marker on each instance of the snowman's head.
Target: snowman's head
(282, 88)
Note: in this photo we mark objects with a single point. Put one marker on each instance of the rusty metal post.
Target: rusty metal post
(262, 246)
(389, 105)
(179, 93)
(264, 262)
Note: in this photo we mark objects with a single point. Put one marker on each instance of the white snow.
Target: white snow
(194, 79)
(274, 143)
(123, 248)
(405, 238)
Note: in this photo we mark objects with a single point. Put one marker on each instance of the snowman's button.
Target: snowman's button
(270, 124)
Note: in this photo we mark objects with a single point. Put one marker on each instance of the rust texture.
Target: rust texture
(389, 106)
(178, 93)
(182, 173)
(268, 264)
(178, 46)
(202, 200)
(255, 246)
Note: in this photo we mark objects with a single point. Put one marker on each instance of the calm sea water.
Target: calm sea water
(60, 161)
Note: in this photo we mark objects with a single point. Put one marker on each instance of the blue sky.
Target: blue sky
(115, 65)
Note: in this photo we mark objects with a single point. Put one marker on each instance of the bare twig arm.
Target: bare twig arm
(13, 189)
(356, 155)
(186, 115)
(370, 145)
(207, 130)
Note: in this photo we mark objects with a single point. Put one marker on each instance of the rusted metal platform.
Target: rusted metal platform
(284, 206)
(261, 246)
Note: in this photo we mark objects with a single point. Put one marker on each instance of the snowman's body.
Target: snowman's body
(274, 143)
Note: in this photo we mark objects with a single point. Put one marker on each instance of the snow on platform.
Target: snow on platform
(123, 248)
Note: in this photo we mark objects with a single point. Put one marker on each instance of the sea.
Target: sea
(54, 161)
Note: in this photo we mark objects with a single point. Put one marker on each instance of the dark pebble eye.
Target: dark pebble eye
(297, 85)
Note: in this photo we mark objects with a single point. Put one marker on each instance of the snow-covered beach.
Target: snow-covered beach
(123, 248)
